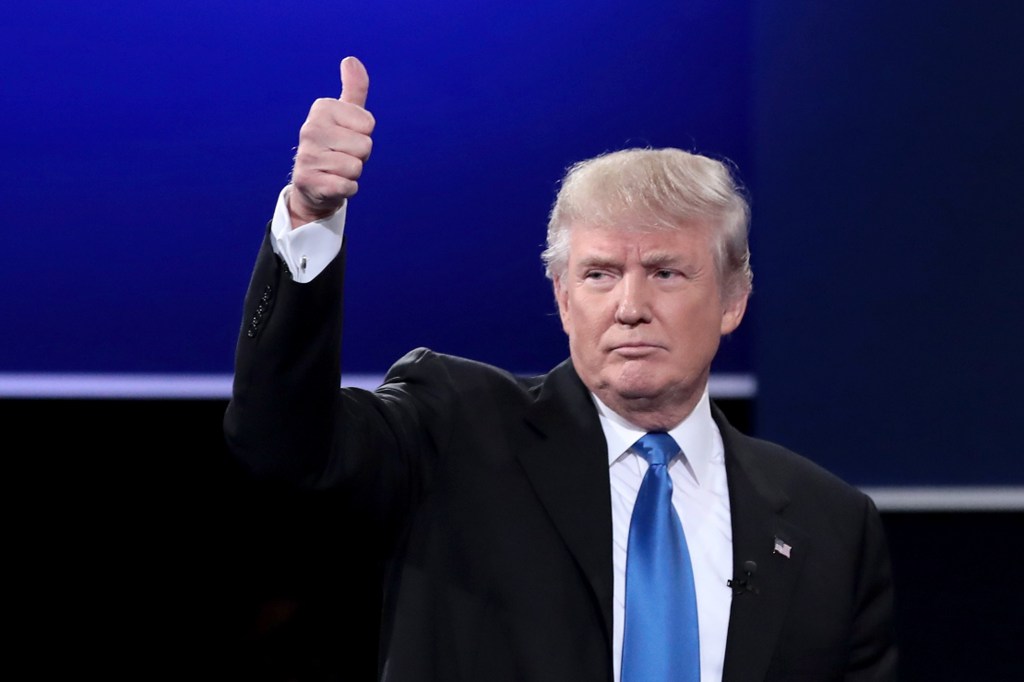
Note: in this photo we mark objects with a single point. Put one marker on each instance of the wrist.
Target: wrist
(300, 214)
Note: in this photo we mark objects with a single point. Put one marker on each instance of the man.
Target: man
(509, 505)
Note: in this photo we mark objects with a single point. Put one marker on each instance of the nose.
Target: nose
(634, 303)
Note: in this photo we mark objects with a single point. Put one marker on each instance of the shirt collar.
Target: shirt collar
(695, 435)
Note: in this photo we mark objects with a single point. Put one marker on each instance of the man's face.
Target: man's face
(644, 313)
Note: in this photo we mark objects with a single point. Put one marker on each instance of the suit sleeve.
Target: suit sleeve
(288, 418)
(873, 654)
(287, 370)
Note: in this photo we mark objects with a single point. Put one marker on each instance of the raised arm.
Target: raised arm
(281, 417)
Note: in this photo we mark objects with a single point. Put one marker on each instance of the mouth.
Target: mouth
(635, 349)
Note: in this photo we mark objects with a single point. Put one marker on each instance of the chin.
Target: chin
(637, 394)
(636, 388)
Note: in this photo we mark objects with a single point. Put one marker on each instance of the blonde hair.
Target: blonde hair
(654, 189)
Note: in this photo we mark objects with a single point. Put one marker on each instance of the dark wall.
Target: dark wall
(889, 151)
(141, 551)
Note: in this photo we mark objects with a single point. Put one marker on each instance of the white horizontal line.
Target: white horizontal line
(113, 386)
(732, 386)
(218, 386)
(947, 498)
(367, 381)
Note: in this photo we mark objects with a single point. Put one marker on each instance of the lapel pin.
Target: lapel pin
(781, 547)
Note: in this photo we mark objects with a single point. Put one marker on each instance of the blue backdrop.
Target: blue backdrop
(145, 144)
(890, 160)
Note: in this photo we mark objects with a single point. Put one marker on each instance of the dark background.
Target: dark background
(152, 556)
(145, 144)
(889, 157)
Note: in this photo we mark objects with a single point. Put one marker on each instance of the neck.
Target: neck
(661, 413)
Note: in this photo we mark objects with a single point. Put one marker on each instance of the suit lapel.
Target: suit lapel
(756, 504)
(568, 468)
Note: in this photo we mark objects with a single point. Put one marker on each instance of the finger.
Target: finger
(347, 142)
(355, 82)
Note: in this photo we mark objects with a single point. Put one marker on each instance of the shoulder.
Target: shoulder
(427, 369)
(795, 475)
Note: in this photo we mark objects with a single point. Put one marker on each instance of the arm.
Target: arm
(288, 418)
(280, 420)
(873, 654)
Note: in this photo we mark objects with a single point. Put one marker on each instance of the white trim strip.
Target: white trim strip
(115, 385)
(367, 381)
(732, 386)
(219, 385)
(947, 498)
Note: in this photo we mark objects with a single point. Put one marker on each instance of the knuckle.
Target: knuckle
(320, 113)
(308, 135)
(355, 169)
(361, 147)
(368, 123)
(320, 104)
(303, 159)
(301, 178)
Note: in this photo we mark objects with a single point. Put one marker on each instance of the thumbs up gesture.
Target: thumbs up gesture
(334, 143)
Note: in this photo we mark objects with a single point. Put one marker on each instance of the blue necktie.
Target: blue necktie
(660, 635)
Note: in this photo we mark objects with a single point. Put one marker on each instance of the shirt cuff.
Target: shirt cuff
(308, 249)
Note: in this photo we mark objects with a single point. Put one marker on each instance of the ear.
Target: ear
(733, 312)
(562, 298)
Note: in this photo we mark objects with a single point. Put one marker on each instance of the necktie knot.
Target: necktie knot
(657, 447)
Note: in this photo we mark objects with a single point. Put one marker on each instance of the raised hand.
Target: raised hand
(334, 143)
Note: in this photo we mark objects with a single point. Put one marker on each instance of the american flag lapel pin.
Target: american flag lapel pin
(781, 547)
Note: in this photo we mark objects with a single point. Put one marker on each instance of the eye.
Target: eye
(665, 274)
(595, 275)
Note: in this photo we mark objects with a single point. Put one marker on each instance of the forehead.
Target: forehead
(691, 240)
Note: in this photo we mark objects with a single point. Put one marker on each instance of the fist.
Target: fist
(334, 143)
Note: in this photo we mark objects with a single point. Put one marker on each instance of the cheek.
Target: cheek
(586, 319)
(585, 334)
(697, 324)
(562, 301)
(566, 320)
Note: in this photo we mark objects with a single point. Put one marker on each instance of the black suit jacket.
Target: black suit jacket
(492, 497)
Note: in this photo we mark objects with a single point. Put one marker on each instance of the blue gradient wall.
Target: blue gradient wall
(146, 143)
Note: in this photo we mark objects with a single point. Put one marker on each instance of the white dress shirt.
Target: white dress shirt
(699, 490)
(309, 248)
(700, 495)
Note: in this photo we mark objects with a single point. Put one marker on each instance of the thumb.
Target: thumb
(355, 82)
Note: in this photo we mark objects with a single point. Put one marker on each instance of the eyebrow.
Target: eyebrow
(598, 262)
(658, 259)
(661, 259)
